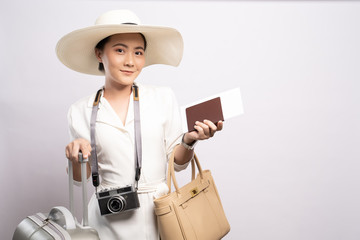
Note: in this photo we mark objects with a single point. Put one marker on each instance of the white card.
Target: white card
(231, 105)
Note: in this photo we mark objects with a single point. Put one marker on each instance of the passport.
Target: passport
(221, 106)
(209, 110)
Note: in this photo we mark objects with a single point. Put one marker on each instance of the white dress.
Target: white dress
(160, 132)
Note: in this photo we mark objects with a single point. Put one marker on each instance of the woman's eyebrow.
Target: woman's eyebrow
(126, 46)
(120, 44)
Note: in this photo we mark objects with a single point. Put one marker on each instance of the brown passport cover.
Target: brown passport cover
(210, 110)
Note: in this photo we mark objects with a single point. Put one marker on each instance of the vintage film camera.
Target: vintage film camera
(118, 200)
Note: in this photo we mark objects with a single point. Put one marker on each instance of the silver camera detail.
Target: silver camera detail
(116, 200)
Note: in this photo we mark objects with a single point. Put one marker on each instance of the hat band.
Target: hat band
(130, 23)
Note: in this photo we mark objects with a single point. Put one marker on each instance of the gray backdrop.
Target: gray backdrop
(286, 169)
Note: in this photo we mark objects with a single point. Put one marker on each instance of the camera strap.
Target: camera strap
(137, 132)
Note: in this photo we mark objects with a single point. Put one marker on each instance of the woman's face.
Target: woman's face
(123, 58)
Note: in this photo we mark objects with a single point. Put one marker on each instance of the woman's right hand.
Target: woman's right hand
(73, 148)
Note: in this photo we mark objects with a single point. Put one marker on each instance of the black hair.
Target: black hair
(102, 43)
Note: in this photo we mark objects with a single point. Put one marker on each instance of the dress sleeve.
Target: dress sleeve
(79, 120)
(72, 132)
(73, 124)
(173, 130)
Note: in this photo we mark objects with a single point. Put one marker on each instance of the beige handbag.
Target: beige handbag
(193, 211)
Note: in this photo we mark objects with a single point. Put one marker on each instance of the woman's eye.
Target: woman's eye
(120, 50)
(139, 53)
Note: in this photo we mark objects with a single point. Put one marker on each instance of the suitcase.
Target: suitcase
(59, 223)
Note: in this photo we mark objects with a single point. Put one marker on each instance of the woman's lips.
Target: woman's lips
(127, 72)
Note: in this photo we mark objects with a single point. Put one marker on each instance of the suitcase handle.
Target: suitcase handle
(83, 162)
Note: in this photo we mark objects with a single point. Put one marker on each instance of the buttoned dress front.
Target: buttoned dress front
(160, 132)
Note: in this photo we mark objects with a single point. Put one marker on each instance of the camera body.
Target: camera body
(112, 201)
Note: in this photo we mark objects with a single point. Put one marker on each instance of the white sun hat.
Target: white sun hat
(76, 50)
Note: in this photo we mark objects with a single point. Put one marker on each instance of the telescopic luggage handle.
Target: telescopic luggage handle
(83, 162)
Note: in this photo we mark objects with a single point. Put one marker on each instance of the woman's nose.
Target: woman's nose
(129, 60)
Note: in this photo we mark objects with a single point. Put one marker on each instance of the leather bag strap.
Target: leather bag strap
(171, 171)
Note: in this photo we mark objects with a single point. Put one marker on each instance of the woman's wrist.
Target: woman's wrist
(187, 143)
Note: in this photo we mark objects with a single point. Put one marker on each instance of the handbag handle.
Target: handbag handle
(171, 172)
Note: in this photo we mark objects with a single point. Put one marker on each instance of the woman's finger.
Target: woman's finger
(200, 131)
(75, 151)
(85, 148)
(220, 125)
(212, 127)
(205, 129)
(67, 152)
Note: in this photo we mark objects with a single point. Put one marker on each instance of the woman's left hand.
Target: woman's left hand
(204, 130)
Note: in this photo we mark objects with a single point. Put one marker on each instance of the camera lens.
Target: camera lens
(116, 204)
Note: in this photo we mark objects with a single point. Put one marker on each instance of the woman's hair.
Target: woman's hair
(102, 43)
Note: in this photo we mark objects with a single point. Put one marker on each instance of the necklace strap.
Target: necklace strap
(137, 131)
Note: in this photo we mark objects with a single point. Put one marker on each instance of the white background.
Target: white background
(287, 169)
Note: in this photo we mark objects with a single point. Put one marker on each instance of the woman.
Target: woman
(118, 47)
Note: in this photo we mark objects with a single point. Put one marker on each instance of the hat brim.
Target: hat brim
(76, 50)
